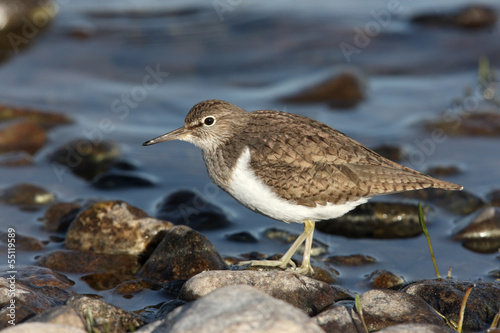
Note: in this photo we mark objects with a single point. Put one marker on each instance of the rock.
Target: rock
(479, 123)
(385, 280)
(113, 180)
(351, 260)
(45, 120)
(69, 261)
(168, 307)
(190, 208)
(235, 309)
(340, 317)
(43, 328)
(494, 197)
(384, 308)
(392, 152)
(105, 317)
(23, 243)
(446, 297)
(63, 315)
(307, 294)
(59, 216)
(480, 232)
(417, 328)
(16, 159)
(318, 248)
(86, 159)
(457, 202)
(22, 136)
(36, 290)
(469, 17)
(131, 287)
(26, 195)
(343, 90)
(21, 19)
(115, 227)
(441, 171)
(181, 254)
(242, 237)
(376, 220)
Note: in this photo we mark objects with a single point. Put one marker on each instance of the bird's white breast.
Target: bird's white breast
(250, 191)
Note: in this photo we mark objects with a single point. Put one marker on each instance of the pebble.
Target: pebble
(479, 123)
(494, 198)
(46, 120)
(242, 237)
(23, 136)
(441, 171)
(340, 317)
(86, 159)
(351, 260)
(392, 152)
(457, 202)
(190, 208)
(43, 328)
(469, 17)
(115, 227)
(181, 254)
(446, 297)
(59, 216)
(480, 232)
(384, 308)
(343, 90)
(37, 289)
(307, 294)
(26, 195)
(376, 220)
(23, 242)
(235, 309)
(417, 328)
(62, 314)
(385, 280)
(113, 180)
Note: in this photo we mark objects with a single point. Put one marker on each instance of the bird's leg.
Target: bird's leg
(286, 260)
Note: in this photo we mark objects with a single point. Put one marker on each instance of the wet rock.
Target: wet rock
(480, 232)
(44, 119)
(23, 243)
(344, 90)
(394, 153)
(469, 17)
(457, 202)
(318, 248)
(22, 16)
(351, 260)
(446, 297)
(242, 237)
(43, 328)
(494, 198)
(22, 136)
(475, 124)
(131, 287)
(417, 328)
(168, 307)
(26, 195)
(192, 209)
(86, 159)
(105, 317)
(63, 315)
(441, 171)
(69, 261)
(16, 159)
(340, 317)
(36, 290)
(384, 308)
(376, 220)
(113, 180)
(59, 216)
(235, 309)
(106, 280)
(307, 294)
(115, 227)
(181, 254)
(385, 280)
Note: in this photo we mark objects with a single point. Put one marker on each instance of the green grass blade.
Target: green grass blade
(426, 233)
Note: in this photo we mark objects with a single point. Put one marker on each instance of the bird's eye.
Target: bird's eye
(209, 121)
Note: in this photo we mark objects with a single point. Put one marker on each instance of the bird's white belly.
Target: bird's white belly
(251, 192)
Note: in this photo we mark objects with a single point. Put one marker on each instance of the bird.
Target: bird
(290, 168)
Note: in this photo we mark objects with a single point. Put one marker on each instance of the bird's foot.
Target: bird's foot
(303, 269)
(269, 263)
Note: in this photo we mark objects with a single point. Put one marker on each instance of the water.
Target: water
(93, 61)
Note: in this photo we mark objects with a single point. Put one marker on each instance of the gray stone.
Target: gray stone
(307, 294)
(63, 315)
(417, 328)
(235, 309)
(340, 317)
(43, 328)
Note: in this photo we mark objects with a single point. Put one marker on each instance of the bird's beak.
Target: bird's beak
(178, 134)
